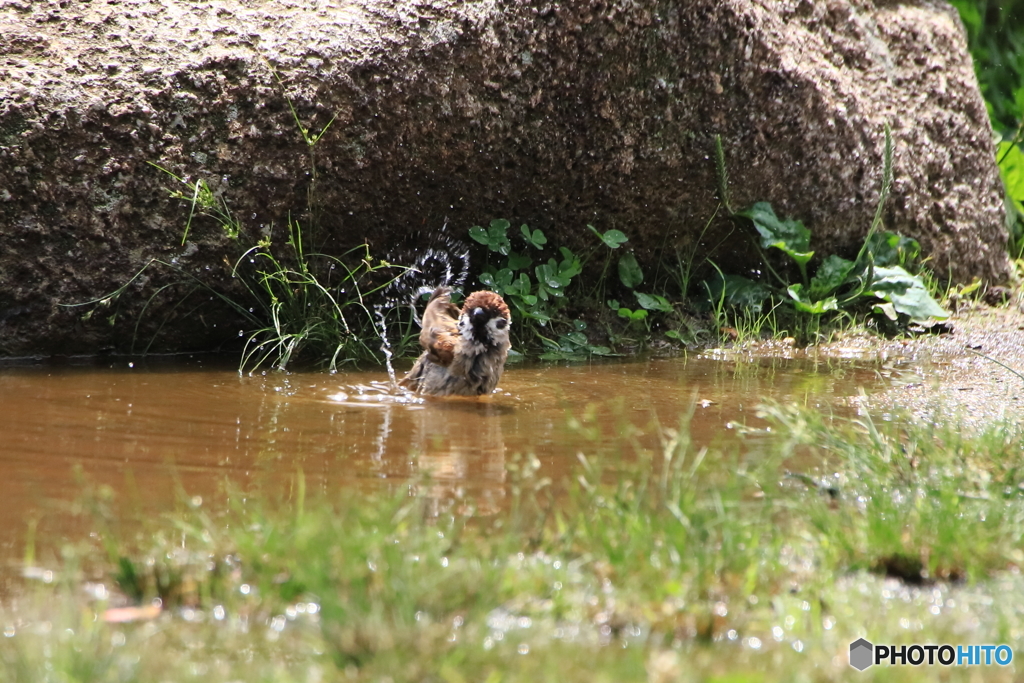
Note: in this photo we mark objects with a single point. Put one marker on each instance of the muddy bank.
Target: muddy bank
(974, 371)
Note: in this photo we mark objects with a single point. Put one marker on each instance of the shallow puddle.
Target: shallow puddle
(146, 429)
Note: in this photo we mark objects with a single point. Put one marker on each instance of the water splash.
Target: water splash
(444, 263)
(373, 395)
(386, 346)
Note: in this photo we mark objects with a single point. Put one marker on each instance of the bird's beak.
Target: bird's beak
(479, 315)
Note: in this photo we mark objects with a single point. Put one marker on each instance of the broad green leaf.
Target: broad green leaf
(886, 309)
(629, 271)
(806, 305)
(787, 235)
(654, 302)
(891, 249)
(906, 293)
(830, 276)
(1011, 168)
(613, 239)
(737, 291)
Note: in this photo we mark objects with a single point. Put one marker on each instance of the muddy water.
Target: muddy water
(145, 430)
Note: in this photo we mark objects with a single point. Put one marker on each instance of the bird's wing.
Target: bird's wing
(440, 332)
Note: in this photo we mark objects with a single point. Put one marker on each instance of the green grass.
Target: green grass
(675, 563)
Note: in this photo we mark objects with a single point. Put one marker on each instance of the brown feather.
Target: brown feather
(489, 301)
(440, 327)
(458, 361)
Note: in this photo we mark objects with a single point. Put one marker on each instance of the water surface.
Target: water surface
(152, 431)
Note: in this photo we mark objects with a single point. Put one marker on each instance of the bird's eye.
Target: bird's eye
(501, 323)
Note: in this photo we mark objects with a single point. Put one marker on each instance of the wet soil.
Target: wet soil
(972, 368)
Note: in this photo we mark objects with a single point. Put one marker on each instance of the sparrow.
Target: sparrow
(464, 351)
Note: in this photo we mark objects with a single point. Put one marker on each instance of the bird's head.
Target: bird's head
(485, 319)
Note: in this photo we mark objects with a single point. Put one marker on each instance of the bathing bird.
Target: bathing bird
(464, 352)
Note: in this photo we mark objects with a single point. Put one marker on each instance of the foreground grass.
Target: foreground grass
(680, 564)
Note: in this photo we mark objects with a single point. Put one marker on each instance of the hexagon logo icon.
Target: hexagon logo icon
(861, 654)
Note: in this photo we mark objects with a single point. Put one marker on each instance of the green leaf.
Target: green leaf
(906, 293)
(519, 261)
(577, 338)
(613, 239)
(535, 238)
(629, 271)
(787, 235)
(632, 315)
(806, 305)
(570, 266)
(548, 281)
(654, 302)
(738, 291)
(479, 234)
(520, 286)
(1011, 168)
(886, 309)
(891, 249)
(495, 236)
(832, 274)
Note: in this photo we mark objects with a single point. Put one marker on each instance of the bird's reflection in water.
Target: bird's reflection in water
(459, 447)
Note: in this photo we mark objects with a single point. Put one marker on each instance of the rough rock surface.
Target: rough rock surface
(555, 114)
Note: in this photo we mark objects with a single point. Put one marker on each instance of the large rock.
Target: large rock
(556, 114)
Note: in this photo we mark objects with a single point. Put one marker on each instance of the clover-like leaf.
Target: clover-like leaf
(628, 314)
(570, 266)
(613, 239)
(535, 238)
(629, 271)
(519, 261)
